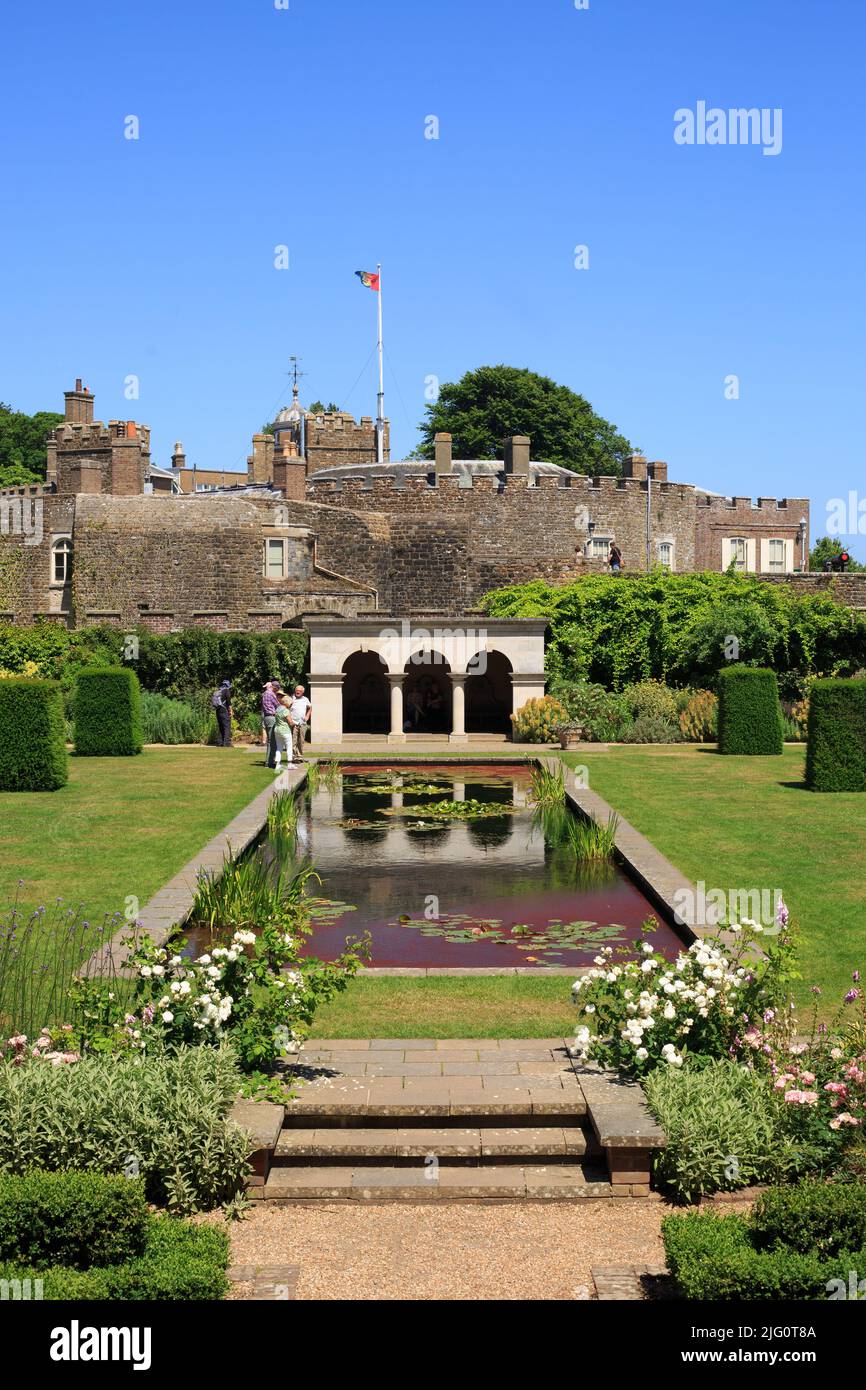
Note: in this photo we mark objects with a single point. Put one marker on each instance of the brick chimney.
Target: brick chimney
(442, 453)
(78, 405)
(178, 458)
(635, 466)
(260, 464)
(658, 471)
(516, 453)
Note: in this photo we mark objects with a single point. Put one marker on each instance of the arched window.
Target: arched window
(61, 561)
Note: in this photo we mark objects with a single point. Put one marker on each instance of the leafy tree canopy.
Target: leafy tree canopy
(317, 408)
(827, 548)
(22, 445)
(491, 403)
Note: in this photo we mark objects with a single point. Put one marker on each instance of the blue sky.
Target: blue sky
(306, 127)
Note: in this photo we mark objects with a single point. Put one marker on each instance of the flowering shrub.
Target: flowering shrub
(256, 990)
(538, 721)
(644, 1012)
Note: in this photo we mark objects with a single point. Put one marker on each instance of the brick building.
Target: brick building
(315, 526)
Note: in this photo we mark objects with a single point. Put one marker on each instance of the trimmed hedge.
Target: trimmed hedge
(78, 1219)
(33, 755)
(107, 714)
(836, 736)
(742, 1259)
(180, 1262)
(750, 716)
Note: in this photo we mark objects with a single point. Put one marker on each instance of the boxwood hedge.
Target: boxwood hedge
(33, 754)
(79, 1219)
(836, 736)
(750, 716)
(107, 710)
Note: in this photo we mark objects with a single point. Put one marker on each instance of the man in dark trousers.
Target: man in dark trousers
(222, 706)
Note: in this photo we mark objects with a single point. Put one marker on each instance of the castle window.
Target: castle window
(61, 561)
(666, 554)
(776, 557)
(599, 547)
(737, 553)
(276, 559)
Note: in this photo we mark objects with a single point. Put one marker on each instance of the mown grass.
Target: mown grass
(448, 1006)
(748, 823)
(121, 827)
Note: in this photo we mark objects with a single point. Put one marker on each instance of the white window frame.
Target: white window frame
(782, 565)
(599, 547)
(669, 546)
(61, 547)
(282, 543)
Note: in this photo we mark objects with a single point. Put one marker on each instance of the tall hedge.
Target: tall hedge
(33, 755)
(836, 736)
(107, 710)
(750, 716)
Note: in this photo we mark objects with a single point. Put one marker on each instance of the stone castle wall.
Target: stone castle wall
(717, 517)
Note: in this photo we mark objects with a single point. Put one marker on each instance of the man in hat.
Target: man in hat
(270, 700)
(221, 702)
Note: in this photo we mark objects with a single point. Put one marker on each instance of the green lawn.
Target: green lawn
(445, 1006)
(747, 823)
(121, 826)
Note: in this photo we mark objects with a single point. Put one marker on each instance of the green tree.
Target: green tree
(317, 408)
(491, 403)
(22, 445)
(827, 548)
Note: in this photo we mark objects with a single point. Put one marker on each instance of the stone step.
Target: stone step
(401, 1145)
(540, 1182)
(355, 1100)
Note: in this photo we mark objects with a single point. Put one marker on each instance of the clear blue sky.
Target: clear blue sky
(261, 126)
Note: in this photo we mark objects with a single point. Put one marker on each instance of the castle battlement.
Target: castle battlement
(763, 504)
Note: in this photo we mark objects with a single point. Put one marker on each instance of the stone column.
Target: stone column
(396, 735)
(526, 686)
(458, 709)
(326, 698)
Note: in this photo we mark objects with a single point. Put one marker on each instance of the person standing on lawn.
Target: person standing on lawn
(221, 701)
(283, 732)
(270, 705)
(299, 716)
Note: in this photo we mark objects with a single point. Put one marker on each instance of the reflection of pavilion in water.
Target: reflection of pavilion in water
(513, 839)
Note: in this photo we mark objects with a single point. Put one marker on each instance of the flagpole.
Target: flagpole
(380, 412)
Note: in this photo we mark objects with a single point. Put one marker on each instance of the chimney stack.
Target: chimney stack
(78, 405)
(634, 466)
(178, 458)
(516, 451)
(442, 454)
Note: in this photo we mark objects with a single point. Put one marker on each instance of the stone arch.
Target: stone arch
(488, 696)
(427, 693)
(366, 698)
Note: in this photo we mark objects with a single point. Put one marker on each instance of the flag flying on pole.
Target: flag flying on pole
(368, 278)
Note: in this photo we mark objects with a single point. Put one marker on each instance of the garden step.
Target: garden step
(551, 1143)
(543, 1182)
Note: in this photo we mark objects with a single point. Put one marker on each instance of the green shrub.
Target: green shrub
(650, 730)
(750, 717)
(78, 1219)
(699, 719)
(190, 664)
(33, 755)
(107, 714)
(651, 700)
(812, 1216)
(179, 1262)
(171, 721)
(538, 721)
(602, 714)
(836, 747)
(725, 1129)
(166, 1117)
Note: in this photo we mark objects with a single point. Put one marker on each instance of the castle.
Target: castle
(318, 533)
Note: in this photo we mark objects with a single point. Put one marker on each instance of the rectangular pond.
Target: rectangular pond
(500, 888)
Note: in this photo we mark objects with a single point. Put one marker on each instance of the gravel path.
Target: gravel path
(450, 1250)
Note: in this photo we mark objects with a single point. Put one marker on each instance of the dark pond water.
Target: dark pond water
(497, 891)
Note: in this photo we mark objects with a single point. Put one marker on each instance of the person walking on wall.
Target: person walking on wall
(614, 559)
(283, 732)
(299, 715)
(221, 702)
(270, 704)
